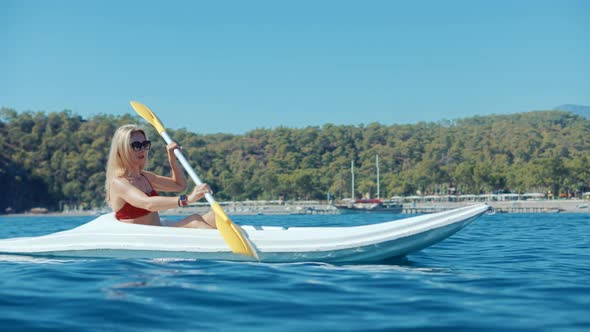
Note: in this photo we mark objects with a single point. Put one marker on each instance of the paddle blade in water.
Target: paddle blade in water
(232, 235)
(148, 115)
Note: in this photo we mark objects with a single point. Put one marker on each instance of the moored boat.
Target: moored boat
(371, 205)
(107, 237)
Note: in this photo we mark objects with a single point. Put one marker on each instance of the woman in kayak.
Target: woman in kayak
(132, 191)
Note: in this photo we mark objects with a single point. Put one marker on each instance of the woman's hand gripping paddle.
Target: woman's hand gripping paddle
(231, 233)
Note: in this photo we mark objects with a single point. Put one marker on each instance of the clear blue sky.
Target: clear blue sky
(233, 66)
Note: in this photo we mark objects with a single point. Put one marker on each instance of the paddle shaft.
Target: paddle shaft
(187, 166)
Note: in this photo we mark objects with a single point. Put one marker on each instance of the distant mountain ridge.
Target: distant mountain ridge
(580, 110)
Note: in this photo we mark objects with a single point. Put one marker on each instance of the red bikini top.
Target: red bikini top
(129, 211)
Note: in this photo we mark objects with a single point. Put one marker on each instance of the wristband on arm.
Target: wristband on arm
(182, 201)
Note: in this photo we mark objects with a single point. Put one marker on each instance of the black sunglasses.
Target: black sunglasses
(145, 145)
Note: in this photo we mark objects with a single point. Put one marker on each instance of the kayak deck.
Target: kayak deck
(107, 237)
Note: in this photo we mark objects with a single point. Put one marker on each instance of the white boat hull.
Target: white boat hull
(107, 237)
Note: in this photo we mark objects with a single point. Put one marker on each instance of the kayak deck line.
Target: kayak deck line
(105, 236)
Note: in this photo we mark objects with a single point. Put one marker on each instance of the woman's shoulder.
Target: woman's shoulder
(119, 181)
(149, 175)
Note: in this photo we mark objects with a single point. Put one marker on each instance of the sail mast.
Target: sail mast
(377, 164)
(352, 171)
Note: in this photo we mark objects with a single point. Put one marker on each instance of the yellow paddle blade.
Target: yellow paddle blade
(148, 115)
(231, 233)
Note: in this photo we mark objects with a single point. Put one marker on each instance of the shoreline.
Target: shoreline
(317, 207)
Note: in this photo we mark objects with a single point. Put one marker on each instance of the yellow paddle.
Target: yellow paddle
(231, 233)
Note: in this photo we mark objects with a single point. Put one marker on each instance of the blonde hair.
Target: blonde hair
(119, 161)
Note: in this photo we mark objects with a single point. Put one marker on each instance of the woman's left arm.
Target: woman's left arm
(177, 172)
(177, 180)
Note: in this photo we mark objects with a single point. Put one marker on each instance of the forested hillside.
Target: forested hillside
(50, 159)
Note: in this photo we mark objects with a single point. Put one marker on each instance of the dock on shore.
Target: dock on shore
(317, 207)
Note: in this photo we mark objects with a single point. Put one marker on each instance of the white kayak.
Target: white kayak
(105, 236)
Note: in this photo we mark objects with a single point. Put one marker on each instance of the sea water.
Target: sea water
(506, 272)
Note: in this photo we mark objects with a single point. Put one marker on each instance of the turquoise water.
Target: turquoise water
(506, 272)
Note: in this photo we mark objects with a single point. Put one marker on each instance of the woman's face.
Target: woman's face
(138, 156)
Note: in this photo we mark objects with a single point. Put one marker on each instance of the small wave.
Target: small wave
(33, 259)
